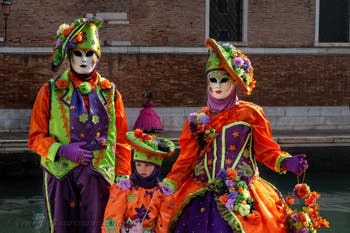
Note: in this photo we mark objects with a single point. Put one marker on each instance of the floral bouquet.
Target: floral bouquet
(233, 192)
(200, 127)
(307, 218)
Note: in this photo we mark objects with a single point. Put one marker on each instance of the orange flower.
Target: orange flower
(301, 217)
(79, 37)
(223, 199)
(302, 190)
(142, 136)
(290, 200)
(61, 84)
(324, 222)
(138, 133)
(309, 201)
(105, 84)
(67, 30)
(313, 213)
(231, 173)
(315, 195)
(316, 224)
(240, 189)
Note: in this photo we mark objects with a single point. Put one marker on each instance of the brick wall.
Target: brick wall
(271, 23)
(178, 80)
(150, 22)
(281, 23)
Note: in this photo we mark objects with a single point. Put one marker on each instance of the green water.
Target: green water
(22, 209)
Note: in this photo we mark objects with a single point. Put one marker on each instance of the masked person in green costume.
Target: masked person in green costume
(78, 127)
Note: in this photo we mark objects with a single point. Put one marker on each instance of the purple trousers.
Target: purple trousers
(76, 202)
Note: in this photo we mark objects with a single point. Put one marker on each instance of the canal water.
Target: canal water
(22, 208)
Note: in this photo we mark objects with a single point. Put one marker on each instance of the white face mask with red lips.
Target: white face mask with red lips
(220, 84)
(83, 61)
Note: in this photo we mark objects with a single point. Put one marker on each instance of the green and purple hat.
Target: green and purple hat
(82, 34)
(150, 148)
(237, 65)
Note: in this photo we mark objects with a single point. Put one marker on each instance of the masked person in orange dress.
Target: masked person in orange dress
(142, 204)
(78, 127)
(216, 174)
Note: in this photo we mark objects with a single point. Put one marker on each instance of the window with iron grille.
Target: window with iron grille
(225, 20)
(334, 21)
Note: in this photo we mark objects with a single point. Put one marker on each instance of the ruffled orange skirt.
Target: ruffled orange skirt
(270, 208)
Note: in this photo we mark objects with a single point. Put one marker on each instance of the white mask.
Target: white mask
(220, 84)
(83, 61)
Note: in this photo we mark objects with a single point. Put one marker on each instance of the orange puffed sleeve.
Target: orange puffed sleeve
(39, 140)
(266, 150)
(187, 158)
(122, 151)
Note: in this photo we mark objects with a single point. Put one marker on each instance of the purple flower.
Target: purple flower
(222, 174)
(294, 217)
(230, 204)
(204, 119)
(238, 61)
(230, 183)
(58, 43)
(192, 116)
(124, 184)
(232, 195)
(166, 190)
(247, 65)
(71, 44)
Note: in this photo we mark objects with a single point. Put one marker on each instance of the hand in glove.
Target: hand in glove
(75, 153)
(296, 164)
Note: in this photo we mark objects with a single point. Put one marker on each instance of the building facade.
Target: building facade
(159, 44)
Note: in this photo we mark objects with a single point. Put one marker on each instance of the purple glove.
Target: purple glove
(75, 153)
(296, 164)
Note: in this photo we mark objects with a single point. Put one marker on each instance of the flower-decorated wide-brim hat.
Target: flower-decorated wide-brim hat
(82, 34)
(237, 65)
(150, 148)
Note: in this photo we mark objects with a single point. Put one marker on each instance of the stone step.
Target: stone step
(20, 145)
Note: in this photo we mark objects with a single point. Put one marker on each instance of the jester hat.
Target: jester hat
(150, 148)
(237, 65)
(82, 34)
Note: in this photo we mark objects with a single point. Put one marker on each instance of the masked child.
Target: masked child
(140, 204)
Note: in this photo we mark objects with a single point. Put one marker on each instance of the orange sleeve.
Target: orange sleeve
(166, 212)
(115, 209)
(122, 151)
(187, 158)
(266, 150)
(39, 140)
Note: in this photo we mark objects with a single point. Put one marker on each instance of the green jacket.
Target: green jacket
(59, 125)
